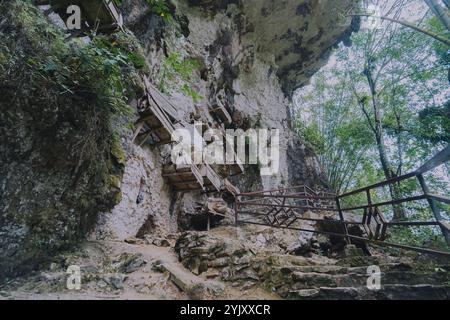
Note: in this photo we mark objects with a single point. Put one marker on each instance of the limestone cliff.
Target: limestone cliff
(251, 53)
(68, 165)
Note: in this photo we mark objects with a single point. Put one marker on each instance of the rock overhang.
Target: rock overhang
(299, 34)
(296, 35)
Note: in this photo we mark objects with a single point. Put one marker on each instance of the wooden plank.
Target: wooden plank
(178, 175)
(211, 176)
(187, 186)
(231, 188)
(161, 117)
(221, 112)
(114, 12)
(236, 169)
(184, 176)
(139, 127)
(197, 175)
(182, 279)
(161, 100)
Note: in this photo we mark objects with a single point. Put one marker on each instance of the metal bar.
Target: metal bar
(281, 209)
(381, 215)
(380, 204)
(341, 217)
(383, 224)
(291, 196)
(381, 243)
(266, 191)
(252, 200)
(317, 201)
(438, 198)
(286, 189)
(413, 223)
(433, 205)
(369, 215)
(436, 161)
(369, 199)
(378, 225)
(286, 219)
(384, 232)
(364, 218)
(377, 185)
(256, 214)
(287, 206)
(236, 210)
(366, 230)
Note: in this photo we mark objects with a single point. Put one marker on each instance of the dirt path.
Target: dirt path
(160, 277)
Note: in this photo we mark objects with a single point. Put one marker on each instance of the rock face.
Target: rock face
(65, 157)
(233, 43)
(300, 34)
(61, 157)
(224, 256)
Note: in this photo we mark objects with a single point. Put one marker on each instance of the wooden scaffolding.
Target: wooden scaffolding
(184, 177)
(101, 16)
(213, 182)
(231, 169)
(158, 117)
(221, 113)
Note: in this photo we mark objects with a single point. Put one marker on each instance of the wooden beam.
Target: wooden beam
(139, 127)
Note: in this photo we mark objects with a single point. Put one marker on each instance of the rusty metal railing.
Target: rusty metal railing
(289, 208)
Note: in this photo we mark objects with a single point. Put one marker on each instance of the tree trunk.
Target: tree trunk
(447, 3)
(408, 25)
(440, 12)
(394, 189)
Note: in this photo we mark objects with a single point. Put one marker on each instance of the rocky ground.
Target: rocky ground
(230, 263)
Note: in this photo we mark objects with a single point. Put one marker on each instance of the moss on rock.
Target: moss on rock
(61, 159)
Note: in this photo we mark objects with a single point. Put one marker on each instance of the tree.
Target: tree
(325, 117)
(397, 79)
(440, 12)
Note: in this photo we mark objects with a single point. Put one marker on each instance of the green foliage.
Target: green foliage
(66, 97)
(339, 137)
(138, 60)
(176, 68)
(124, 44)
(161, 8)
(187, 90)
(175, 65)
(118, 3)
(312, 135)
(99, 69)
(410, 75)
(441, 50)
(419, 237)
(78, 73)
(336, 115)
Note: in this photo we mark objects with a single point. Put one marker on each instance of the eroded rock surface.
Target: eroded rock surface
(67, 163)
(220, 254)
(229, 40)
(61, 157)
